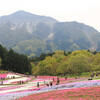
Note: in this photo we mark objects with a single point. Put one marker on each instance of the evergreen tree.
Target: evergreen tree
(0, 62)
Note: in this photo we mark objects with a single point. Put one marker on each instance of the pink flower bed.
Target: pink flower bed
(46, 77)
(87, 81)
(87, 93)
(3, 76)
(65, 94)
(51, 78)
(62, 80)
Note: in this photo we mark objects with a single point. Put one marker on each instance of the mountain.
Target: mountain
(34, 34)
(22, 16)
(74, 35)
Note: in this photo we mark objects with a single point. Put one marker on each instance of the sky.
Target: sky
(83, 11)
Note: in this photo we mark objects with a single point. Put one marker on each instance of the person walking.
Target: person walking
(50, 83)
(97, 74)
(66, 78)
(2, 82)
(57, 81)
(44, 83)
(47, 84)
(53, 79)
(37, 84)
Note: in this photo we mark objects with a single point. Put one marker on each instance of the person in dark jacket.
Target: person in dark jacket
(37, 84)
(50, 83)
(57, 81)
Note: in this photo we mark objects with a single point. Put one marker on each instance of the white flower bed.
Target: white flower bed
(13, 75)
(14, 80)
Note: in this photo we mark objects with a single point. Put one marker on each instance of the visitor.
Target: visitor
(66, 78)
(57, 81)
(97, 74)
(53, 79)
(13, 76)
(75, 77)
(2, 82)
(37, 84)
(47, 84)
(92, 75)
(44, 83)
(78, 75)
(50, 83)
(20, 82)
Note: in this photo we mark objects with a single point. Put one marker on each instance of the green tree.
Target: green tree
(75, 63)
(16, 62)
(62, 68)
(41, 67)
(96, 62)
(59, 54)
(79, 61)
(0, 62)
(97, 59)
(3, 52)
(46, 66)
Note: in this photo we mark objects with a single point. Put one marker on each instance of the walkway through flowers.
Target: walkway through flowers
(12, 89)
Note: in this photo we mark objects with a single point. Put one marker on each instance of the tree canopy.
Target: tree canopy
(57, 63)
(0, 62)
(13, 61)
(75, 62)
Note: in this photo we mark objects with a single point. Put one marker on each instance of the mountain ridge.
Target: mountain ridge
(25, 16)
(33, 34)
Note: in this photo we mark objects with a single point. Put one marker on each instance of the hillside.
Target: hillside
(34, 34)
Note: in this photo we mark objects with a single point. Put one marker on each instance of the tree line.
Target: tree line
(62, 62)
(12, 61)
(56, 63)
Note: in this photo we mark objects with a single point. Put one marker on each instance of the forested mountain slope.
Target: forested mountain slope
(34, 34)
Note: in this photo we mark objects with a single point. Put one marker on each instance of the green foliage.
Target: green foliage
(14, 62)
(40, 58)
(26, 73)
(96, 62)
(3, 52)
(62, 68)
(62, 62)
(0, 62)
(59, 54)
(81, 52)
(79, 63)
(28, 46)
(97, 59)
(59, 62)
(45, 66)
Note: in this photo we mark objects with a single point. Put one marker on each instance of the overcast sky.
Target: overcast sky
(83, 11)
